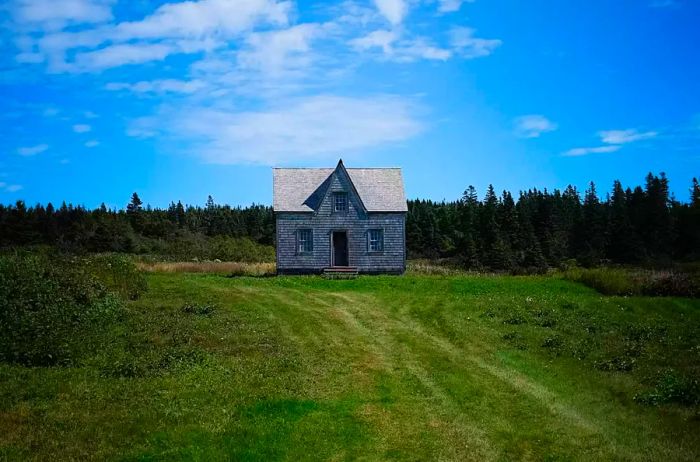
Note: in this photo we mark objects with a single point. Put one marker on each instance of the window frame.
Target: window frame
(337, 195)
(379, 240)
(305, 237)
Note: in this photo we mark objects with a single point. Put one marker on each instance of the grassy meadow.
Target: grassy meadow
(417, 367)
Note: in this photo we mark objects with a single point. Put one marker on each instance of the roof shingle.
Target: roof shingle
(380, 189)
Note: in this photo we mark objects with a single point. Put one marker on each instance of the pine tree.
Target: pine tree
(623, 246)
(591, 229)
(135, 204)
(695, 193)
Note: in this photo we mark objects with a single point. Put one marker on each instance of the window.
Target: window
(305, 238)
(376, 240)
(340, 202)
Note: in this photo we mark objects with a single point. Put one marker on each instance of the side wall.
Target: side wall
(355, 222)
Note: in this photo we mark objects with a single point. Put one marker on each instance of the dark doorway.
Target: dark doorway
(340, 248)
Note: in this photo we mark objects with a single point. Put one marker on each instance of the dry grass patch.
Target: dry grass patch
(232, 268)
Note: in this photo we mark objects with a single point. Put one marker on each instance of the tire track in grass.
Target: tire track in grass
(511, 377)
(468, 440)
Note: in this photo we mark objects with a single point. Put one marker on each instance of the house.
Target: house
(339, 218)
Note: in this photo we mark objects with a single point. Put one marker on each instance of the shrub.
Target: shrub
(118, 273)
(671, 387)
(50, 310)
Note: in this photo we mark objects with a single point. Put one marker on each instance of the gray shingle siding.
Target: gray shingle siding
(356, 222)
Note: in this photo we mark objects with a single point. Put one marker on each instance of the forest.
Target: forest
(538, 229)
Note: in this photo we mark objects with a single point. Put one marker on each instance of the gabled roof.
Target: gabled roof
(302, 189)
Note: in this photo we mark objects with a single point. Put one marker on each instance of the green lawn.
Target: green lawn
(398, 368)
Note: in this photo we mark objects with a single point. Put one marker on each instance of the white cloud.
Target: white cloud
(13, 188)
(420, 48)
(50, 112)
(81, 128)
(158, 86)
(32, 150)
(90, 115)
(614, 139)
(393, 10)
(595, 150)
(624, 136)
(450, 6)
(92, 143)
(376, 39)
(533, 125)
(54, 15)
(314, 127)
(119, 55)
(2, 184)
(464, 43)
(280, 50)
(205, 17)
(174, 28)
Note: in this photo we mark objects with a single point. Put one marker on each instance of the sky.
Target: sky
(184, 99)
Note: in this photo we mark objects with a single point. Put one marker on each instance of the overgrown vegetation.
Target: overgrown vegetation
(213, 267)
(635, 281)
(54, 309)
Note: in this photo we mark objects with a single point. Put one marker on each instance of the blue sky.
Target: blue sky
(178, 100)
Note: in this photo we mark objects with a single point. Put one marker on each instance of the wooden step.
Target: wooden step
(340, 272)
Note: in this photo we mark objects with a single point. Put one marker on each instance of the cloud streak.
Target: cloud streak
(614, 141)
(533, 125)
(32, 150)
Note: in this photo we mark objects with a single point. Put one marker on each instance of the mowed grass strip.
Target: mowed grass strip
(205, 367)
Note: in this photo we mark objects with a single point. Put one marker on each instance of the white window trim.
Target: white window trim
(343, 194)
(380, 240)
(310, 240)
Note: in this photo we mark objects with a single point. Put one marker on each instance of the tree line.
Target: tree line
(541, 228)
(536, 230)
(212, 231)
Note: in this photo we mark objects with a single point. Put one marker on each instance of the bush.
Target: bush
(50, 310)
(671, 387)
(118, 273)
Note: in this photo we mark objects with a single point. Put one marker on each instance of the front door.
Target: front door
(340, 248)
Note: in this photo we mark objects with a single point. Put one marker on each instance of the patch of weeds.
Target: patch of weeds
(544, 318)
(203, 309)
(515, 339)
(621, 363)
(671, 387)
(489, 313)
(641, 334)
(514, 319)
(569, 305)
(152, 362)
(553, 343)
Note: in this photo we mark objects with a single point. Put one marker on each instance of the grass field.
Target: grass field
(205, 367)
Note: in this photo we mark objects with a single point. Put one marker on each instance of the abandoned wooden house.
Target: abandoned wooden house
(339, 219)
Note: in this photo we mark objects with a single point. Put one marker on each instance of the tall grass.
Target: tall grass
(227, 268)
(627, 281)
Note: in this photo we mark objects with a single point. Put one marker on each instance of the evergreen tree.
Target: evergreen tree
(135, 205)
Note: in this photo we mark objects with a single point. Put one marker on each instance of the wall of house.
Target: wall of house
(355, 222)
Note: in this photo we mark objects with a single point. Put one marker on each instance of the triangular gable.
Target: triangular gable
(316, 198)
